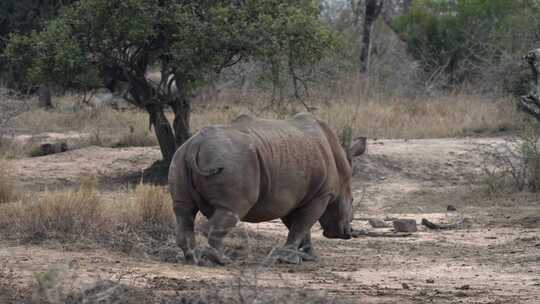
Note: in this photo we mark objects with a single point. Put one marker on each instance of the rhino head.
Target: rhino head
(336, 220)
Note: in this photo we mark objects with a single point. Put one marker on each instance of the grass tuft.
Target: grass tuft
(8, 186)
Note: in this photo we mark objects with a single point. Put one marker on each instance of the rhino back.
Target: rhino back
(295, 163)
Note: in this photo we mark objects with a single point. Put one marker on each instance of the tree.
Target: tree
(530, 103)
(186, 41)
(22, 17)
(464, 37)
(371, 12)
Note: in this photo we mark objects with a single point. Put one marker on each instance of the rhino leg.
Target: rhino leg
(220, 224)
(305, 247)
(299, 223)
(185, 234)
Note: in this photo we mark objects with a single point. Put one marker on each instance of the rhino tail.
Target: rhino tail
(193, 162)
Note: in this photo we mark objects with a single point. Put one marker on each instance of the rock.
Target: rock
(464, 287)
(405, 286)
(376, 223)
(451, 208)
(405, 225)
(430, 281)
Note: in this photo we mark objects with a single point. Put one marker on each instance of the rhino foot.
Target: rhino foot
(208, 256)
(289, 256)
(308, 255)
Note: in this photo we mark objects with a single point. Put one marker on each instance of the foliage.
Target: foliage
(186, 41)
(22, 17)
(193, 38)
(463, 37)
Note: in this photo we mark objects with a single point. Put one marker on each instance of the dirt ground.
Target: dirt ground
(495, 259)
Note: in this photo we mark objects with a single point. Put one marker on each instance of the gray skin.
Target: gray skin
(258, 170)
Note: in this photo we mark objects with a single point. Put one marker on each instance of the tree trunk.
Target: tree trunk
(407, 4)
(373, 9)
(182, 111)
(530, 103)
(164, 133)
(44, 97)
(366, 43)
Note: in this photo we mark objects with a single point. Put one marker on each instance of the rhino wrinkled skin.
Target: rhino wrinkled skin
(257, 170)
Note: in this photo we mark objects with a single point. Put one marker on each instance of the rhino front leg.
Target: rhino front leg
(305, 247)
(185, 222)
(299, 222)
(220, 224)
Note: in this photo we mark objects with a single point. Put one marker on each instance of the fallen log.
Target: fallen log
(360, 233)
(445, 226)
(49, 148)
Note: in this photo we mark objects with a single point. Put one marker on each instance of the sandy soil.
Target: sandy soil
(495, 259)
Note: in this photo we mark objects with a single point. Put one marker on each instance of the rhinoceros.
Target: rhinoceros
(257, 170)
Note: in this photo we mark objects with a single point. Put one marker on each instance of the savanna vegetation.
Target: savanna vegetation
(445, 91)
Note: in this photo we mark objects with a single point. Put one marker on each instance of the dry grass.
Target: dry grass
(154, 205)
(11, 148)
(8, 187)
(380, 117)
(145, 210)
(106, 127)
(59, 214)
(452, 116)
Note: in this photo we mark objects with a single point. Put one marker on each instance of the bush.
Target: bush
(515, 165)
(530, 153)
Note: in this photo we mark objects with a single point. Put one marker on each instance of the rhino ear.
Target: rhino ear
(358, 147)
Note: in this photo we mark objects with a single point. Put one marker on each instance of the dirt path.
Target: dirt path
(495, 260)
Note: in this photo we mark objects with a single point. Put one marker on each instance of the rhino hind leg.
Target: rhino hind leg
(185, 233)
(219, 225)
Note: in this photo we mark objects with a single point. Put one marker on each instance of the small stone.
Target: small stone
(405, 286)
(451, 208)
(430, 281)
(376, 223)
(464, 287)
(405, 225)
